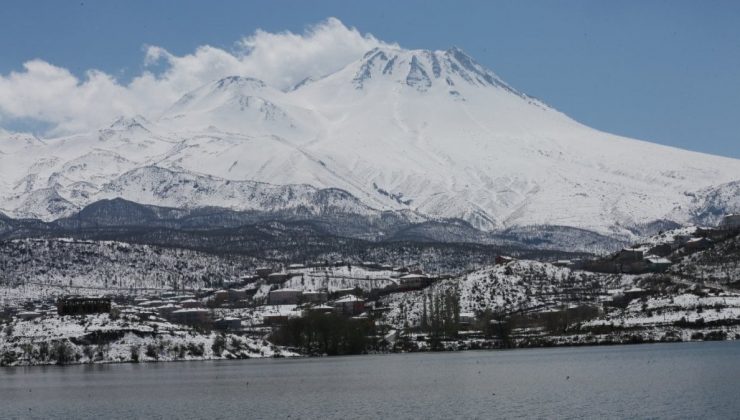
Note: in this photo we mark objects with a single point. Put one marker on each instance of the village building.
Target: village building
(315, 297)
(349, 305)
(275, 278)
(191, 303)
(663, 250)
(657, 264)
(698, 244)
(139, 300)
(629, 255)
(152, 303)
(275, 319)
(228, 324)
(28, 315)
(248, 278)
(237, 294)
(730, 222)
(229, 284)
(284, 297)
(634, 293)
(192, 316)
(83, 305)
(263, 272)
(371, 265)
(167, 310)
(296, 267)
(220, 296)
(503, 259)
(466, 318)
(413, 281)
(318, 309)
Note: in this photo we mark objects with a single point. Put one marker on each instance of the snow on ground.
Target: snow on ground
(342, 277)
(668, 310)
(103, 339)
(669, 236)
(517, 286)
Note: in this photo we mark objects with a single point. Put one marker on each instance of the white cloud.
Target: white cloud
(53, 95)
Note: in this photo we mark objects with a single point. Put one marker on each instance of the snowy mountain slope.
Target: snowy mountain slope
(429, 131)
(708, 205)
(496, 157)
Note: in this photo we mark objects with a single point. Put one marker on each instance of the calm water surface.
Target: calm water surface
(689, 380)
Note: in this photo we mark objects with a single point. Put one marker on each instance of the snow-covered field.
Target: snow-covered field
(342, 277)
(105, 339)
(33, 269)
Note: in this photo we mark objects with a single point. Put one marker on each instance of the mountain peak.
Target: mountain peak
(422, 69)
(127, 123)
(230, 82)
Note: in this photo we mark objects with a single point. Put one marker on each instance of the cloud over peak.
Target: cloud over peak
(55, 97)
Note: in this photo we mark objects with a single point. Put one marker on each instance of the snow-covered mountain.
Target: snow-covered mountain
(433, 132)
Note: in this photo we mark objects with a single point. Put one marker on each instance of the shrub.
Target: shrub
(134, 353)
(7, 358)
(152, 351)
(196, 349)
(62, 352)
(219, 344)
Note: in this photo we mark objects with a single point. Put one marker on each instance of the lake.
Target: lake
(685, 380)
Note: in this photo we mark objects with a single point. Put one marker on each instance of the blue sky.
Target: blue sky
(663, 71)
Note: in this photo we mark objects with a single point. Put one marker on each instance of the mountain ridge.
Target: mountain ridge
(431, 133)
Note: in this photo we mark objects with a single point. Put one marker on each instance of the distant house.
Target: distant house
(237, 294)
(191, 303)
(467, 318)
(634, 293)
(371, 265)
(192, 316)
(319, 309)
(275, 319)
(83, 305)
(503, 259)
(349, 305)
(220, 296)
(228, 324)
(296, 266)
(284, 297)
(629, 255)
(413, 281)
(730, 222)
(28, 315)
(274, 278)
(656, 263)
(698, 244)
(248, 278)
(662, 250)
(314, 297)
(152, 303)
(167, 310)
(344, 291)
(229, 284)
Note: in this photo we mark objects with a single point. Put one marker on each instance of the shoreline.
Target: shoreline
(483, 345)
